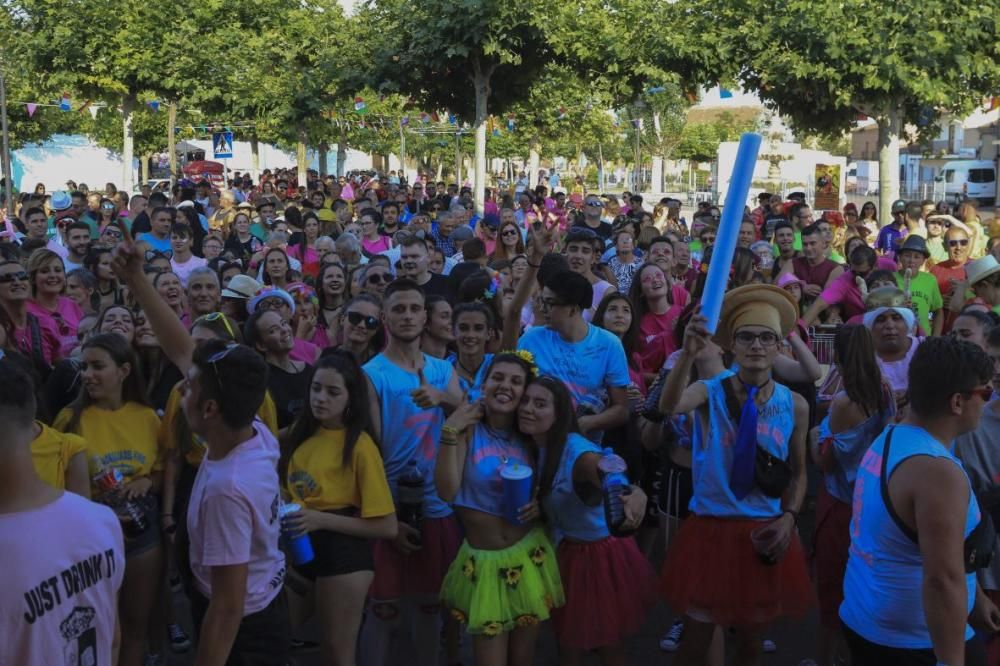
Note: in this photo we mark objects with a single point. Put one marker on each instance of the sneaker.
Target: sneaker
(179, 641)
(672, 639)
(768, 646)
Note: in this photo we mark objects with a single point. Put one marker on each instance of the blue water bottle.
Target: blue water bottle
(614, 485)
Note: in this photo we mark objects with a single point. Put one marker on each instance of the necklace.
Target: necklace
(469, 372)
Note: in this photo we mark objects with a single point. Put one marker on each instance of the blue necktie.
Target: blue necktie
(741, 480)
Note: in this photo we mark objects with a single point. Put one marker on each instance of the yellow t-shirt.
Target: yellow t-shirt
(318, 480)
(51, 452)
(196, 452)
(126, 439)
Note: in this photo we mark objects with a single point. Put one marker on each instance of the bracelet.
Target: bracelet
(795, 515)
(447, 429)
(449, 442)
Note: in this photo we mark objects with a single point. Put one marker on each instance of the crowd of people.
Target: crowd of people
(195, 380)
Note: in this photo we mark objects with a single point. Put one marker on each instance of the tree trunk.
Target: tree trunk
(300, 156)
(533, 160)
(255, 157)
(656, 176)
(324, 148)
(482, 85)
(171, 142)
(458, 160)
(128, 143)
(341, 157)
(144, 165)
(888, 163)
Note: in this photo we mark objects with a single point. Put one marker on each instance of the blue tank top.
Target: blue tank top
(409, 432)
(489, 451)
(712, 453)
(849, 447)
(567, 514)
(474, 388)
(883, 585)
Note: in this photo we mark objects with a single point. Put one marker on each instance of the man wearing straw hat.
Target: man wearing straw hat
(737, 561)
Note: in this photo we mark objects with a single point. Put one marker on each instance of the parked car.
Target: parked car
(973, 179)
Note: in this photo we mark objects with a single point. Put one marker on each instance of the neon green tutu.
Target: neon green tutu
(493, 591)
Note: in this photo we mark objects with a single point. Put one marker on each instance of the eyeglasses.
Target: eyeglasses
(746, 338)
(20, 276)
(154, 254)
(214, 359)
(549, 303)
(985, 393)
(355, 318)
(379, 278)
(958, 242)
(216, 316)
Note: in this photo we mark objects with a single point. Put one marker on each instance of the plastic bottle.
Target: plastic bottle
(131, 515)
(410, 504)
(614, 485)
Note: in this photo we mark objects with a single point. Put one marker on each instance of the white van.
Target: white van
(975, 179)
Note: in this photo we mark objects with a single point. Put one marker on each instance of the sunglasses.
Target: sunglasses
(356, 318)
(154, 254)
(214, 359)
(20, 276)
(595, 204)
(985, 394)
(216, 316)
(958, 242)
(509, 232)
(112, 234)
(379, 278)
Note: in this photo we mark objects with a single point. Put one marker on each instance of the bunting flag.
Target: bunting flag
(655, 89)
(154, 105)
(562, 113)
(435, 117)
(637, 123)
(64, 104)
(452, 120)
(425, 118)
(93, 111)
(725, 94)
(994, 103)
(404, 121)
(510, 123)
(496, 132)
(31, 106)
(691, 96)
(86, 105)
(359, 104)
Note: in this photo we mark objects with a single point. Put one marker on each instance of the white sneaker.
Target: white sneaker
(671, 640)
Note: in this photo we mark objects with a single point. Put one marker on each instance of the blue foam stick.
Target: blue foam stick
(729, 229)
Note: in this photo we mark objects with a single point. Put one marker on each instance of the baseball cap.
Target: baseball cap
(898, 206)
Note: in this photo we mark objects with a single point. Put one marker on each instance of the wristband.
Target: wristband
(447, 429)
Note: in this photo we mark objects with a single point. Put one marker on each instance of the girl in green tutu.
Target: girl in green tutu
(505, 580)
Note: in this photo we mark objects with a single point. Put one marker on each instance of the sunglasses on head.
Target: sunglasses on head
(356, 318)
(19, 276)
(216, 316)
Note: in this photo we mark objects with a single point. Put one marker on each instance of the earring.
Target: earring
(347, 413)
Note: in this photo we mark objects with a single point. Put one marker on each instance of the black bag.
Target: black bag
(978, 546)
(771, 474)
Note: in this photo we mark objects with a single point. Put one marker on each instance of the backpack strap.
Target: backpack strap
(884, 488)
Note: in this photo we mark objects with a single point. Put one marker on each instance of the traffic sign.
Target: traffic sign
(222, 145)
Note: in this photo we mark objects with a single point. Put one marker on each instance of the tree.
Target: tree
(455, 56)
(908, 69)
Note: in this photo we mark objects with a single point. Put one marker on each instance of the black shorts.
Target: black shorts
(337, 554)
(866, 653)
(651, 482)
(151, 537)
(264, 637)
(676, 490)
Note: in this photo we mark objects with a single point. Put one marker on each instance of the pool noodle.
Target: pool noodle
(729, 229)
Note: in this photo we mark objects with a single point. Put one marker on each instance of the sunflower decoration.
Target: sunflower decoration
(525, 356)
(492, 628)
(469, 569)
(459, 616)
(527, 620)
(511, 575)
(538, 555)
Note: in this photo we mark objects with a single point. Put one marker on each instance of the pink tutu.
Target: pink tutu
(420, 573)
(609, 588)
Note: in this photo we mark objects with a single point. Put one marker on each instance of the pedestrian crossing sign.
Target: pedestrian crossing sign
(222, 144)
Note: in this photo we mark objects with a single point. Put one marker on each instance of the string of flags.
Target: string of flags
(65, 104)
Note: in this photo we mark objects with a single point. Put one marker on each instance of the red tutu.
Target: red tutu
(831, 546)
(609, 587)
(420, 573)
(713, 574)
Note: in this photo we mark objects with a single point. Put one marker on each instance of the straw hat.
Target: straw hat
(980, 269)
(756, 305)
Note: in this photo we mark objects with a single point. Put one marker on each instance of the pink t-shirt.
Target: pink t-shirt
(183, 271)
(63, 566)
(304, 351)
(48, 334)
(233, 518)
(380, 244)
(656, 332)
(844, 292)
(66, 319)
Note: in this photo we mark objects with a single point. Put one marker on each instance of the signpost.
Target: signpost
(222, 147)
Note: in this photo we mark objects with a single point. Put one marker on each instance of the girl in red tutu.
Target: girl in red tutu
(737, 561)
(609, 585)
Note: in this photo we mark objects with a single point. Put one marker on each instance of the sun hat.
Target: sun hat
(982, 268)
(241, 286)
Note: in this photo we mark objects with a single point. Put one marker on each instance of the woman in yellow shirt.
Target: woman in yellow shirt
(60, 459)
(333, 469)
(113, 415)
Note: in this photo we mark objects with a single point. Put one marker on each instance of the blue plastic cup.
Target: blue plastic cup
(298, 543)
(516, 489)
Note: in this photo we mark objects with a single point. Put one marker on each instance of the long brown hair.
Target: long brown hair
(500, 250)
(854, 353)
(555, 439)
(121, 352)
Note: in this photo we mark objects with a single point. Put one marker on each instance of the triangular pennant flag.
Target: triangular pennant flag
(425, 118)
(404, 121)
(31, 106)
(562, 113)
(359, 105)
(637, 123)
(691, 95)
(435, 117)
(452, 119)
(725, 94)
(994, 103)
(154, 105)
(496, 132)
(64, 103)
(654, 90)
(93, 111)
